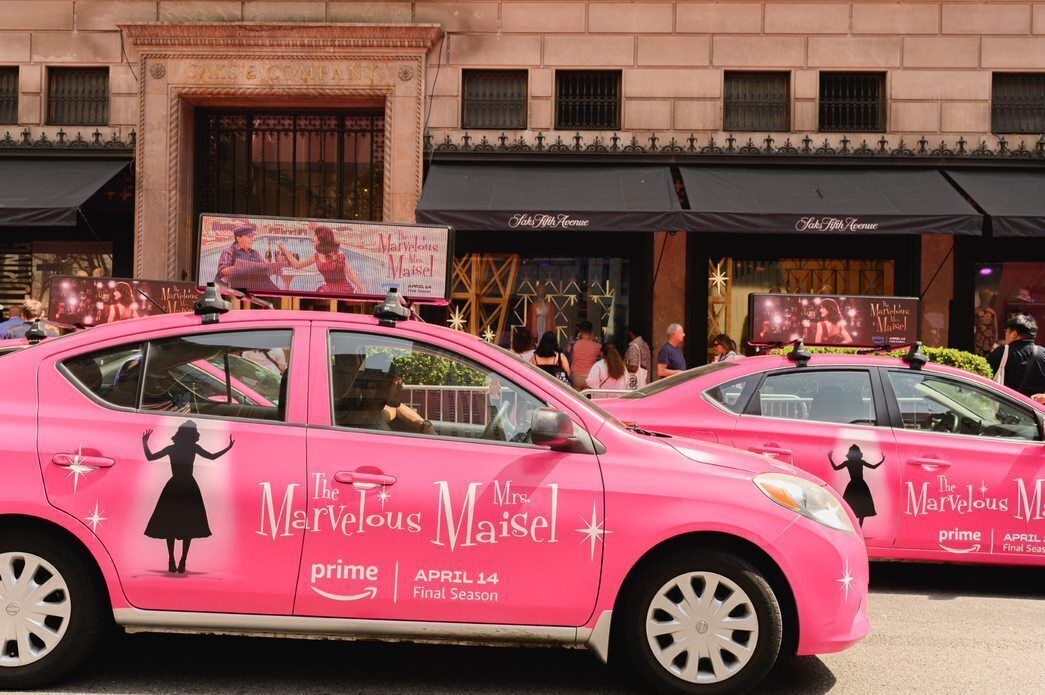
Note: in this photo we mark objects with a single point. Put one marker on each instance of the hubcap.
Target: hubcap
(36, 608)
(702, 627)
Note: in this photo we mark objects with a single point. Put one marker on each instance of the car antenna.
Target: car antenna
(799, 354)
(211, 306)
(392, 310)
(151, 300)
(915, 358)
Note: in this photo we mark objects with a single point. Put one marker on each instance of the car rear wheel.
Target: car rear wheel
(50, 610)
(702, 622)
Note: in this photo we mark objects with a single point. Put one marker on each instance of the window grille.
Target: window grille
(757, 101)
(9, 94)
(852, 102)
(494, 99)
(78, 96)
(587, 99)
(1018, 103)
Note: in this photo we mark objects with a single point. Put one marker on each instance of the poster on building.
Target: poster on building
(88, 301)
(325, 258)
(833, 320)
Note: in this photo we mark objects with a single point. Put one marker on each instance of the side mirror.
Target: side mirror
(551, 428)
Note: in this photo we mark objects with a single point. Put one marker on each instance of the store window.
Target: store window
(587, 99)
(732, 280)
(852, 101)
(1018, 102)
(9, 94)
(77, 96)
(493, 99)
(305, 164)
(757, 101)
(1004, 290)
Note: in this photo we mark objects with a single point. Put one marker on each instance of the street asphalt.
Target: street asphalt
(936, 629)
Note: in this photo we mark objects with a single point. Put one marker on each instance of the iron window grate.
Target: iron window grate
(78, 96)
(587, 99)
(852, 101)
(1018, 103)
(494, 99)
(757, 101)
(9, 94)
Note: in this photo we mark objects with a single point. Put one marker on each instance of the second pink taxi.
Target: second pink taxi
(936, 463)
(342, 476)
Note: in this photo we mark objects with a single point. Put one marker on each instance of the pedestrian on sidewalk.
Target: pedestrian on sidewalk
(549, 358)
(671, 360)
(1019, 363)
(585, 354)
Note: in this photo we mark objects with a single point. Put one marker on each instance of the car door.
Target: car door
(444, 512)
(973, 468)
(828, 421)
(174, 475)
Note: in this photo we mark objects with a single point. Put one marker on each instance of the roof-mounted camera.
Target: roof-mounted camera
(392, 310)
(211, 306)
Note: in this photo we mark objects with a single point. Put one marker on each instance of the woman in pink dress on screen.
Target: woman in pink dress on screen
(330, 260)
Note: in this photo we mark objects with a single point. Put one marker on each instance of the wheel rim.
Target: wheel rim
(34, 608)
(702, 627)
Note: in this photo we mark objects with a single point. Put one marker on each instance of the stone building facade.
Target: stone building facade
(169, 60)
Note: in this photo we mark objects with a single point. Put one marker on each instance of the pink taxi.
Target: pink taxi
(307, 474)
(937, 464)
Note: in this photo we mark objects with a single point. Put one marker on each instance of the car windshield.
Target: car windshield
(562, 388)
(674, 380)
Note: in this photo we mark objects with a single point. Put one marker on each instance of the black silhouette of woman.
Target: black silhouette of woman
(180, 513)
(857, 494)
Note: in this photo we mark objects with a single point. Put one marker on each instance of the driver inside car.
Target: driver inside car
(372, 396)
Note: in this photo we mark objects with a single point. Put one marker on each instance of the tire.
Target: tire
(650, 633)
(72, 612)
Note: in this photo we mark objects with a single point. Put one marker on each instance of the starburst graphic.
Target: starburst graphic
(593, 531)
(456, 320)
(96, 518)
(846, 580)
(384, 496)
(488, 335)
(983, 488)
(78, 469)
(718, 278)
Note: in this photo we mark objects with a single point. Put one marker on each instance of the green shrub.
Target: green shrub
(959, 359)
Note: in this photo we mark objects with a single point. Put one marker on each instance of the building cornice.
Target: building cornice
(312, 36)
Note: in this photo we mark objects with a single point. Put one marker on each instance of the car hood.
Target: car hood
(726, 457)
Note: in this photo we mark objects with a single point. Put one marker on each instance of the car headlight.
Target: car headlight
(805, 498)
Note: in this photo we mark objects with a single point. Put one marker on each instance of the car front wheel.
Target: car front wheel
(50, 613)
(702, 622)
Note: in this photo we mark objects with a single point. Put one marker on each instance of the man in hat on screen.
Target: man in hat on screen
(242, 267)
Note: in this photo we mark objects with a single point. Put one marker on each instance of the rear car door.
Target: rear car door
(830, 422)
(973, 468)
(171, 466)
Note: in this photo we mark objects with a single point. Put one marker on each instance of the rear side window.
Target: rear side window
(842, 397)
(730, 394)
(113, 374)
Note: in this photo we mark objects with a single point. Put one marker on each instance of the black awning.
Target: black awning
(47, 192)
(503, 197)
(1014, 200)
(825, 200)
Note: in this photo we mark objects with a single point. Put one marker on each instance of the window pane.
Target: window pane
(1018, 103)
(587, 99)
(78, 96)
(931, 403)
(112, 375)
(757, 101)
(241, 374)
(852, 102)
(393, 385)
(729, 393)
(494, 99)
(823, 396)
(9, 94)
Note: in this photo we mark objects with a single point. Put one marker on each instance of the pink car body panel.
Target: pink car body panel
(937, 496)
(469, 532)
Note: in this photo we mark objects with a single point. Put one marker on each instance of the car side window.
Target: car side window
(842, 397)
(729, 395)
(395, 385)
(937, 404)
(241, 374)
(111, 374)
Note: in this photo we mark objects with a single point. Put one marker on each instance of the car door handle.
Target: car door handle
(772, 450)
(81, 460)
(356, 477)
(929, 464)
